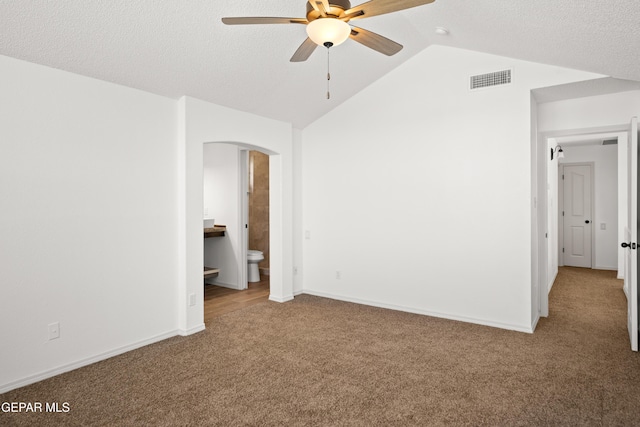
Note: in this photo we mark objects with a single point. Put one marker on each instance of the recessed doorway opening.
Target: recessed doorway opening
(236, 196)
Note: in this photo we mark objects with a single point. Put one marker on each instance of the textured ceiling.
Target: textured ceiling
(176, 47)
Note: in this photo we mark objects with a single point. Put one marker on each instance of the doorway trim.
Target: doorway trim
(242, 207)
(546, 275)
(243, 211)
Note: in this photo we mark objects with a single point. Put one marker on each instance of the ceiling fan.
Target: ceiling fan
(327, 24)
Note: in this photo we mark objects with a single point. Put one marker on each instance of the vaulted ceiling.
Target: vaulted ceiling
(176, 47)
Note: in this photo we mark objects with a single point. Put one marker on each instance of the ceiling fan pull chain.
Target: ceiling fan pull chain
(328, 76)
(328, 45)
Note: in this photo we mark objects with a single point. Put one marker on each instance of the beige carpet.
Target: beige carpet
(315, 361)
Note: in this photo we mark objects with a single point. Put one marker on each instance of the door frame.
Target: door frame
(592, 167)
(543, 273)
(633, 253)
(243, 209)
(243, 212)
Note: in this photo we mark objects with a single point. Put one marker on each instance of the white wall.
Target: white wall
(418, 191)
(538, 223)
(589, 112)
(222, 192)
(101, 222)
(605, 160)
(88, 220)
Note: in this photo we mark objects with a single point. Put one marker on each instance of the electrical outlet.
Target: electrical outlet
(54, 330)
(192, 299)
(295, 270)
(206, 212)
(603, 226)
(338, 274)
(307, 234)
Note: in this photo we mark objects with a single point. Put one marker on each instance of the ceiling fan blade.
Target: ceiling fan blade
(304, 51)
(380, 7)
(375, 41)
(263, 20)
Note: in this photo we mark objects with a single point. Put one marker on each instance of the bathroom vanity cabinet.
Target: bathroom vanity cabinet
(215, 231)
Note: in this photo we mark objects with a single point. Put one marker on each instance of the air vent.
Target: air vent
(613, 141)
(497, 78)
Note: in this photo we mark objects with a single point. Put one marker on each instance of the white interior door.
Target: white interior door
(631, 236)
(577, 216)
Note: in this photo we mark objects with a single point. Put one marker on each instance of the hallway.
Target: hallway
(588, 300)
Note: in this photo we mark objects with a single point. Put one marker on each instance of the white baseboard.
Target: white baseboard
(483, 322)
(223, 284)
(605, 268)
(84, 362)
(278, 299)
(191, 331)
(535, 322)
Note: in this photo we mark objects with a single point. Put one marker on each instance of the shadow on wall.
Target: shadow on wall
(259, 206)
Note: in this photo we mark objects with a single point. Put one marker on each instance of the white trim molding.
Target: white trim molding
(278, 299)
(191, 331)
(484, 322)
(84, 362)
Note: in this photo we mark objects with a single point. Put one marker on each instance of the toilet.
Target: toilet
(253, 258)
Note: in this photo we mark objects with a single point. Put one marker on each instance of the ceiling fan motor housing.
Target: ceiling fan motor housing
(336, 9)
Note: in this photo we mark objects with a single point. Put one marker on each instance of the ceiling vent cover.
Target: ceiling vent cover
(497, 78)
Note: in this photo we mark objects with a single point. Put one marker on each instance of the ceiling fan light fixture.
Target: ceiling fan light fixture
(328, 30)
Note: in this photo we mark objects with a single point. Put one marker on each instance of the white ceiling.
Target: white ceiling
(177, 47)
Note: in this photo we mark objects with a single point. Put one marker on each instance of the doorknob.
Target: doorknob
(628, 245)
(587, 222)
